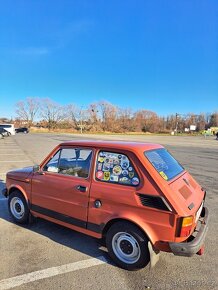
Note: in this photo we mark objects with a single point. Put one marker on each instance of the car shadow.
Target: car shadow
(69, 238)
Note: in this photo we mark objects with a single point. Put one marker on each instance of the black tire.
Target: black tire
(18, 207)
(127, 246)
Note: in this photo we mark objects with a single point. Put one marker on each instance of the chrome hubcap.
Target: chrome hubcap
(17, 207)
(126, 248)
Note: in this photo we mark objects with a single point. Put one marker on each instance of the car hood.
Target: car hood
(20, 174)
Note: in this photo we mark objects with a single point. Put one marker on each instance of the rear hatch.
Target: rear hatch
(191, 193)
(185, 191)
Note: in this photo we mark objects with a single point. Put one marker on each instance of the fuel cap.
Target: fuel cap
(98, 203)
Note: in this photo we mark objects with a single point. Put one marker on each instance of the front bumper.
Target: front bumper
(5, 192)
(194, 242)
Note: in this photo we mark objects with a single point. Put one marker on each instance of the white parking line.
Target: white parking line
(9, 146)
(8, 161)
(1, 149)
(50, 272)
(15, 154)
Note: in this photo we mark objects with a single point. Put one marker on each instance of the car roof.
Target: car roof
(123, 145)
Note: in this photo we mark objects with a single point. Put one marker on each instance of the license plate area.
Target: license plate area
(198, 213)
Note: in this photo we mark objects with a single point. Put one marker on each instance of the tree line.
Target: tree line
(103, 116)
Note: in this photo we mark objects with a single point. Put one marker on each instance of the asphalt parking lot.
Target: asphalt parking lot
(53, 257)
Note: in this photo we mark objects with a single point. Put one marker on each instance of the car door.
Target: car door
(61, 188)
(113, 192)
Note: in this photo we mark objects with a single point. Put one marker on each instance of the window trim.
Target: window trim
(114, 182)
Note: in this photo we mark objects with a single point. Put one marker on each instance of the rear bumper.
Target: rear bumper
(196, 241)
(5, 192)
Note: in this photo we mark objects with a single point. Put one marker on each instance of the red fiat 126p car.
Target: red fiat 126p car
(134, 195)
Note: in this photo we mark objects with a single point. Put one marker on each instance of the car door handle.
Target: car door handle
(81, 188)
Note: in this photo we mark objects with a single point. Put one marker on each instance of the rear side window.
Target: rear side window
(166, 165)
(115, 168)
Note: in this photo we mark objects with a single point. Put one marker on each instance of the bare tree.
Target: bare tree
(214, 119)
(201, 122)
(94, 122)
(72, 115)
(51, 112)
(109, 114)
(126, 120)
(27, 110)
(147, 121)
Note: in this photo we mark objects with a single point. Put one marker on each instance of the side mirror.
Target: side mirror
(36, 168)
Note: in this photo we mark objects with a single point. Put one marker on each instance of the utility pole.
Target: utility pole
(176, 123)
(81, 125)
(81, 121)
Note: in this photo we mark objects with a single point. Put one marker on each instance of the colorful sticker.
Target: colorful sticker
(116, 161)
(99, 174)
(111, 161)
(99, 166)
(125, 172)
(130, 168)
(124, 180)
(125, 164)
(102, 154)
(120, 156)
(117, 170)
(163, 175)
(135, 181)
(131, 174)
(107, 175)
(100, 159)
(106, 167)
(114, 178)
(124, 157)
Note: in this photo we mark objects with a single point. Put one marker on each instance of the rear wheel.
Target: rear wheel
(127, 246)
(18, 207)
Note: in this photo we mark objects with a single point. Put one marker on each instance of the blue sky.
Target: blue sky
(157, 55)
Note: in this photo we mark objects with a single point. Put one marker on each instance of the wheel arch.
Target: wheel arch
(115, 220)
(18, 188)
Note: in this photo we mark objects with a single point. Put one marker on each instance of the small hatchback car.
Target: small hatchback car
(22, 130)
(135, 196)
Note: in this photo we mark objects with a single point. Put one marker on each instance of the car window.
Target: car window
(52, 165)
(165, 164)
(75, 162)
(115, 168)
(5, 126)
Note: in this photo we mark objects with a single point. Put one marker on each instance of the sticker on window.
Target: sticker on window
(115, 168)
(163, 175)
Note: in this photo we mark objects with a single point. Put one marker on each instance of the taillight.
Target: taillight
(186, 226)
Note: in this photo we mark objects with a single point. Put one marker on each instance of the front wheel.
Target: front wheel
(18, 207)
(128, 246)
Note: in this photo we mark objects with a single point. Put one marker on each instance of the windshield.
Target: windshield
(164, 163)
